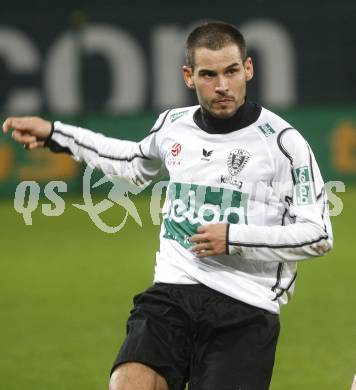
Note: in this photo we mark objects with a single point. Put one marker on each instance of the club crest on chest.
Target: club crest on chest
(237, 160)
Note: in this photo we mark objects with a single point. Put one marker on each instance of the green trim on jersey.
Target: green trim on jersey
(303, 185)
(173, 117)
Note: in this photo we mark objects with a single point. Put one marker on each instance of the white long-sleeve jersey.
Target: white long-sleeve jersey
(262, 179)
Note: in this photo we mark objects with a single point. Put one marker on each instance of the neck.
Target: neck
(244, 116)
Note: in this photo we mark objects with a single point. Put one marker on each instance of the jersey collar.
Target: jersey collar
(247, 114)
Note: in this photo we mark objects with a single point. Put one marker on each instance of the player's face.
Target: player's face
(219, 78)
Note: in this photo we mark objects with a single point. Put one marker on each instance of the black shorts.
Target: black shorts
(191, 333)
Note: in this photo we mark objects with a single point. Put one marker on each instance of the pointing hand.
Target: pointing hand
(29, 131)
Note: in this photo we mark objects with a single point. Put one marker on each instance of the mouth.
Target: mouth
(223, 100)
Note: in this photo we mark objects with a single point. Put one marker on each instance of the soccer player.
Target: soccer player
(245, 202)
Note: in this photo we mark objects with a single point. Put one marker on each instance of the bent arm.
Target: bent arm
(137, 162)
(306, 232)
(302, 240)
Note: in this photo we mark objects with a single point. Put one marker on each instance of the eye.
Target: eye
(232, 71)
(207, 74)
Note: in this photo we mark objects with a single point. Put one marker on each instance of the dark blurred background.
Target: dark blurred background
(125, 56)
(112, 66)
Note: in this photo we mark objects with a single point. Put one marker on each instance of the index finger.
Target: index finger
(6, 126)
(13, 123)
(197, 238)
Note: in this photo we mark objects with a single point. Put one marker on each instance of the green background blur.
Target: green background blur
(66, 287)
(66, 291)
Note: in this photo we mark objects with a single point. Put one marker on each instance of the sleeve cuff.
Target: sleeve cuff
(53, 145)
(48, 139)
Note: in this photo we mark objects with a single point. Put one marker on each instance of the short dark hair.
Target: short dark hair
(214, 36)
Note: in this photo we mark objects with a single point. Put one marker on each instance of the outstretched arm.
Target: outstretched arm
(137, 162)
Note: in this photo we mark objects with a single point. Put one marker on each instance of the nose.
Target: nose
(222, 85)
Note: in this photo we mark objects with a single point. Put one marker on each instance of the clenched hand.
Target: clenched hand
(29, 131)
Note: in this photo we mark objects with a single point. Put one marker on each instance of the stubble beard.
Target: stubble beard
(221, 113)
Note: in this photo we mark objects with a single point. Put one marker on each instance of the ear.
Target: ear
(188, 76)
(248, 65)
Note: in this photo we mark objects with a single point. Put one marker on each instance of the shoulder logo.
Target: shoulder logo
(237, 160)
(267, 129)
(173, 117)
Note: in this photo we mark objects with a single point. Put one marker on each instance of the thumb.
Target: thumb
(35, 145)
(201, 229)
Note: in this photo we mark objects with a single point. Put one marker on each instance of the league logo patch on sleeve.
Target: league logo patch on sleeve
(267, 129)
(173, 117)
(303, 186)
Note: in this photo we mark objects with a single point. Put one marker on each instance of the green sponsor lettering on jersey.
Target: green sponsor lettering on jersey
(189, 206)
(303, 185)
(177, 115)
(267, 129)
